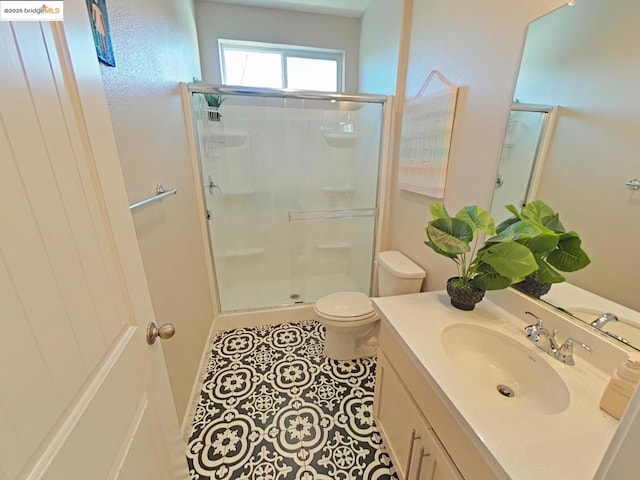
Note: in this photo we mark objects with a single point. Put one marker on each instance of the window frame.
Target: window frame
(285, 51)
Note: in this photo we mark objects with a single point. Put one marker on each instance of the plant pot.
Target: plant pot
(532, 287)
(463, 298)
(214, 114)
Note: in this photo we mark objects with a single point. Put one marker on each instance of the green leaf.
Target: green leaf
(490, 280)
(438, 210)
(554, 224)
(440, 251)
(545, 273)
(521, 231)
(569, 256)
(506, 223)
(513, 210)
(478, 218)
(510, 259)
(214, 100)
(537, 211)
(543, 243)
(451, 235)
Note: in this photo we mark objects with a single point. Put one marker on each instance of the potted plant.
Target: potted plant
(492, 267)
(537, 226)
(214, 102)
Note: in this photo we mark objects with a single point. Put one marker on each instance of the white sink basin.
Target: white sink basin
(504, 369)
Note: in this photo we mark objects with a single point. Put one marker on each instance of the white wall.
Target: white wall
(477, 46)
(235, 22)
(155, 48)
(379, 46)
(584, 59)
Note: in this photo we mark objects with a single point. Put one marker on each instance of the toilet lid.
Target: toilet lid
(345, 304)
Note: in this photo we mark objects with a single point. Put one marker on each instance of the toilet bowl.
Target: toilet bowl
(350, 321)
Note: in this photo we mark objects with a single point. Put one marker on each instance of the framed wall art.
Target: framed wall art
(427, 124)
(101, 33)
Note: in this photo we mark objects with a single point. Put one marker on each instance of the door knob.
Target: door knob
(165, 331)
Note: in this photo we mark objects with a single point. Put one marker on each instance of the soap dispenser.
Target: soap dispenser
(620, 388)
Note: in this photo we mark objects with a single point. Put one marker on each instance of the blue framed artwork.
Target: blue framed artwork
(101, 34)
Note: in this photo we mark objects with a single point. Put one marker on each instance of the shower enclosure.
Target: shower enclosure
(291, 189)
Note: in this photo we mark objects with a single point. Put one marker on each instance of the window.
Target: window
(254, 64)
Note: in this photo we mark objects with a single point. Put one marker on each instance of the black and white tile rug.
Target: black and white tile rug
(273, 407)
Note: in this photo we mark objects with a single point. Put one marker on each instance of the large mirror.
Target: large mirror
(573, 141)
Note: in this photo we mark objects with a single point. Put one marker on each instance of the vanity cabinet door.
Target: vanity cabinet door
(415, 450)
(433, 463)
(402, 426)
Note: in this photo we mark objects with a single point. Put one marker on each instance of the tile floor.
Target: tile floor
(273, 407)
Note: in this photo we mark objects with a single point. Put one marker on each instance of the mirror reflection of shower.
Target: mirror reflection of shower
(291, 190)
(529, 131)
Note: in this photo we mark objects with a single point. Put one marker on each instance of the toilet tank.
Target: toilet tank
(397, 275)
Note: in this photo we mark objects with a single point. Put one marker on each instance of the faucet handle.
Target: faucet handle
(537, 325)
(570, 341)
(536, 332)
(566, 350)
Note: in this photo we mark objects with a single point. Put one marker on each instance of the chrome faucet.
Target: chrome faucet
(603, 319)
(545, 340)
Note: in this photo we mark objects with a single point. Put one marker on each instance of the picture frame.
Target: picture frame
(101, 31)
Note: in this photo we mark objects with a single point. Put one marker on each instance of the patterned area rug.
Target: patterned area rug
(273, 407)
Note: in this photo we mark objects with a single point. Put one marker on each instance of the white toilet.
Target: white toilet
(349, 319)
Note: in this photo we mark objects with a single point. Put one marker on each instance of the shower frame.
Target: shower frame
(382, 187)
(543, 144)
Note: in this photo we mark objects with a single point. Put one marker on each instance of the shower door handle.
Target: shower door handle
(296, 216)
(211, 185)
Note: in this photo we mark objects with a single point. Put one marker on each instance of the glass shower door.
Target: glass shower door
(291, 188)
(524, 130)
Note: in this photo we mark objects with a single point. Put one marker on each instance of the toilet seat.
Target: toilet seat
(345, 309)
(351, 321)
(347, 306)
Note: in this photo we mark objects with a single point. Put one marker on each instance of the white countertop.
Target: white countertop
(525, 444)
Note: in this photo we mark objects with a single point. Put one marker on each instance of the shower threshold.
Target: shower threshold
(278, 293)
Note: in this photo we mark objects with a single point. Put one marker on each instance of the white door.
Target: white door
(82, 394)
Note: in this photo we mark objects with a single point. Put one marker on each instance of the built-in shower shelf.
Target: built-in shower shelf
(227, 139)
(333, 246)
(237, 194)
(243, 252)
(340, 140)
(337, 190)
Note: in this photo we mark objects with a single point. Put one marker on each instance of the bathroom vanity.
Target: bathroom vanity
(465, 395)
